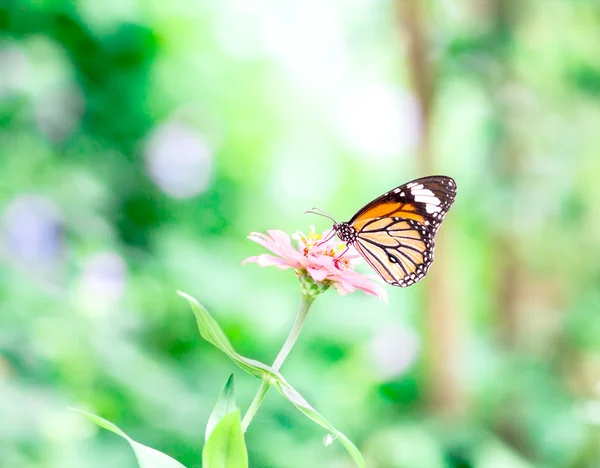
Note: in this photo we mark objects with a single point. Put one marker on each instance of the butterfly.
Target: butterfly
(395, 232)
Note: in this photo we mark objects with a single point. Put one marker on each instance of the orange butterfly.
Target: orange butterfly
(395, 232)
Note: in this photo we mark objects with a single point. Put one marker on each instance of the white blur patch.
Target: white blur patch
(102, 283)
(32, 240)
(31, 231)
(451, 9)
(375, 120)
(301, 161)
(58, 112)
(236, 28)
(40, 70)
(392, 351)
(107, 16)
(307, 39)
(178, 160)
(589, 412)
(14, 68)
(62, 427)
(328, 440)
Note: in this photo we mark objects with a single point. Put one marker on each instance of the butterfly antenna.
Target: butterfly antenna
(328, 238)
(320, 212)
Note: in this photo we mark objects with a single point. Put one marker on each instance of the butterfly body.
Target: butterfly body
(345, 232)
(395, 232)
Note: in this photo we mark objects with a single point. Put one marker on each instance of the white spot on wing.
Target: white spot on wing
(428, 200)
(421, 191)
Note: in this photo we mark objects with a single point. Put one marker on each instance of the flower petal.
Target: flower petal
(284, 243)
(318, 259)
(347, 286)
(341, 291)
(250, 260)
(263, 240)
(374, 289)
(323, 261)
(318, 274)
(265, 260)
(281, 238)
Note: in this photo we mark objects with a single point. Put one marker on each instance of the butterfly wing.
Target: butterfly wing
(395, 232)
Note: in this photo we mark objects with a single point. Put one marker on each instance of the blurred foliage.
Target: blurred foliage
(142, 140)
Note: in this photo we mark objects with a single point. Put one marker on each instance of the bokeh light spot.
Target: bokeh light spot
(178, 160)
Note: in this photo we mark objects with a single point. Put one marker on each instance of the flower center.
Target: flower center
(314, 245)
(310, 242)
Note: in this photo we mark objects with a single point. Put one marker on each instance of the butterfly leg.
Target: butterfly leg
(336, 259)
(327, 239)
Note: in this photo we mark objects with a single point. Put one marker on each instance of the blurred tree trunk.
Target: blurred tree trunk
(442, 317)
(512, 275)
(507, 165)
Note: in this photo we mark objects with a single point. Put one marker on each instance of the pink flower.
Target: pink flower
(319, 260)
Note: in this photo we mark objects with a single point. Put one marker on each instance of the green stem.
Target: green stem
(258, 398)
(305, 304)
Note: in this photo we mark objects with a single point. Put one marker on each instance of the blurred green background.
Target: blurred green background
(142, 140)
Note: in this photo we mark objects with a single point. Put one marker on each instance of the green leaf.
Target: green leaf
(147, 457)
(211, 332)
(226, 447)
(225, 405)
(299, 402)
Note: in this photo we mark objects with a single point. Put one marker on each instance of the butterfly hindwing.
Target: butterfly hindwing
(395, 232)
(401, 254)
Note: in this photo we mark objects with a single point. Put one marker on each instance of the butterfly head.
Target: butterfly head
(345, 232)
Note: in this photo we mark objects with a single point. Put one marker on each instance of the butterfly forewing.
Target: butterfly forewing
(395, 232)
